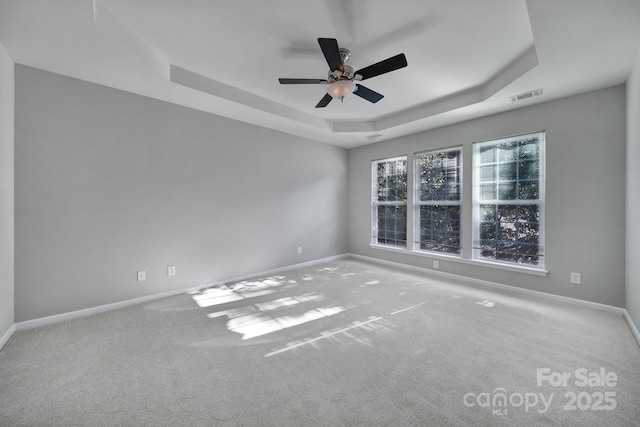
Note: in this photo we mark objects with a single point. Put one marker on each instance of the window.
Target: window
(438, 188)
(389, 202)
(508, 195)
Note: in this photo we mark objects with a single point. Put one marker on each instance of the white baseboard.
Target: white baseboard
(7, 335)
(632, 326)
(471, 280)
(50, 320)
(77, 314)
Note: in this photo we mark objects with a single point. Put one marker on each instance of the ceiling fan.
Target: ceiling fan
(342, 78)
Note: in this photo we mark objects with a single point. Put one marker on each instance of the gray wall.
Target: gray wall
(633, 194)
(108, 183)
(585, 195)
(6, 191)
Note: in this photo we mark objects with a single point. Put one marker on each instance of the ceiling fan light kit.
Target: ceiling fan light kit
(341, 78)
(340, 89)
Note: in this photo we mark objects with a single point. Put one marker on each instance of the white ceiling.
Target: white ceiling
(466, 57)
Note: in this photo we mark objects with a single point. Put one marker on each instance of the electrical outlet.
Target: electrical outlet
(171, 270)
(576, 278)
(142, 275)
(299, 250)
(436, 264)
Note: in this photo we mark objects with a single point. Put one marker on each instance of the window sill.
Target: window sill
(477, 262)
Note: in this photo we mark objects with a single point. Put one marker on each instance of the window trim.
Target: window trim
(375, 203)
(540, 201)
(518, 268)
(466, 255)
(417, 203)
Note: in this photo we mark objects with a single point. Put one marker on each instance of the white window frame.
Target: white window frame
(478, 201)
(375, 203)
(418, 203)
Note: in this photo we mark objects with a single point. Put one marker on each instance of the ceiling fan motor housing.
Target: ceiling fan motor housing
(345, 55)
(337, 75)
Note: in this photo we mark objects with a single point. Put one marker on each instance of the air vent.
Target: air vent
(374, 136)
(526, 95)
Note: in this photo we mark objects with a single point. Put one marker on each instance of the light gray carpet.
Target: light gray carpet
(338, 344)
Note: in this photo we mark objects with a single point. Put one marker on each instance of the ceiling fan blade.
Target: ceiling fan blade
(285, 81)
(368, 94)
(324, 101)
(331, 53)
(382, 67)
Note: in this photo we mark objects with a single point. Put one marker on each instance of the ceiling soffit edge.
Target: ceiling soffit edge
(120, 33)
